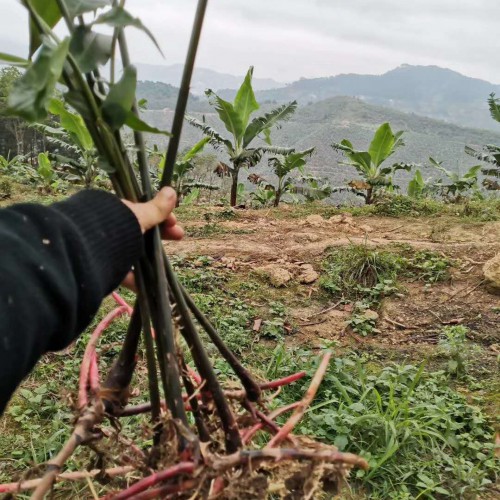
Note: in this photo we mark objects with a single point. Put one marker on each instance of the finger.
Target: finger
(159, 208)
(171, 221)
(174, 233)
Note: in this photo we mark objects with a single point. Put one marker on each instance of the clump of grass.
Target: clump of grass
(400, 205)
(421, 438)
(352, 272)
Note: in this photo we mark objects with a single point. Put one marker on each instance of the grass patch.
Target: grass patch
(421, 438)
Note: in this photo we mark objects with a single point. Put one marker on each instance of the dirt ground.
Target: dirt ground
(409, 321)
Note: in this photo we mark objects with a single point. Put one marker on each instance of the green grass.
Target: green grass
(421, 438)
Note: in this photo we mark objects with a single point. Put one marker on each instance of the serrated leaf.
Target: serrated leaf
(30, 97)
(118, 103)
(90, 49)
(136, 123)
(14, 60)
(118, 17)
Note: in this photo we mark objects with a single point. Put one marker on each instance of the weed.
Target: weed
(399, 205)
(427, 266)
(5, 188)
(453, 344)
(421, 438)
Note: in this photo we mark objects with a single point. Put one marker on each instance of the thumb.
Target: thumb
(155, 211)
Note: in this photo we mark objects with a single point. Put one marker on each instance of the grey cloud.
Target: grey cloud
(286, 39)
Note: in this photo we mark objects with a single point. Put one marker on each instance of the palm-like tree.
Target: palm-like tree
(236, 118)
(369, 163)
(490, 153)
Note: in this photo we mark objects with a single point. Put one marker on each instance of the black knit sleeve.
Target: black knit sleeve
(57, 263)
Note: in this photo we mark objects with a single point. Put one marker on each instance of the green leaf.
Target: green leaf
(135, 123)
(341, 442)
(13, 60)
(216, 140)
(49, 13)
(79, 7)
(228, 115)
(245, 103)
(118, 17)
(261, 123)
(118, 104)
(73, 124)
(197, 148)
(30, 97)
(90, 49)
(382, 144)
(493, 103)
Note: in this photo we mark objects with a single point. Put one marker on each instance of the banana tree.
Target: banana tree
(457, 184)
(369, 164)
(490, 153)
(236, 119)
(75, 149)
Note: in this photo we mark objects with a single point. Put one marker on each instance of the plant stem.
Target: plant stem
(250, 385)
(182, 99)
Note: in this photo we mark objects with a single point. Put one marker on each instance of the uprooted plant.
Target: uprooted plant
(201, 434)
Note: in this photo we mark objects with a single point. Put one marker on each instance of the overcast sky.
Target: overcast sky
(289, 39)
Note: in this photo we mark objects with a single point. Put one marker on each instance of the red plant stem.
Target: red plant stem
(122, 302)
(283, 381)
(276, 413)
(65, 476)
(194, 375)
(94, 375)
(169, 489)
(90, 352)
(302, 406)
(153, 479)
(143, 408)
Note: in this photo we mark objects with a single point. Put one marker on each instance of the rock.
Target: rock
(307, 274)
(491, 271)
(314, 220)
(335, 219)
(366, 228)
(278, 276)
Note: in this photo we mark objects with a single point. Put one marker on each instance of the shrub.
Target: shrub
(400, 205)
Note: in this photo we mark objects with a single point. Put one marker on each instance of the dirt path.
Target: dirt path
(413, 319)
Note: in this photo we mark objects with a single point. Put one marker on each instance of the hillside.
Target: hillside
(427, 90)
(331, 120)
(203, 78)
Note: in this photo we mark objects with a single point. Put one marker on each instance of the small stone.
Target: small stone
(315, 220)
(366, 228)
(277, 276)
(491, 271)
(335, 219)
(307, 274)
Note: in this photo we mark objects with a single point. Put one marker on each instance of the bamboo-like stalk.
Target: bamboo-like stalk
(182, 99)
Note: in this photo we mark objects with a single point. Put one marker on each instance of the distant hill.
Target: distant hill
(331, 120)
(427, 90)
(203, 78)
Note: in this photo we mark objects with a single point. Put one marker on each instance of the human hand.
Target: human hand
(157, 211)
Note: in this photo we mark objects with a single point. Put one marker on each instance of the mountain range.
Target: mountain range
(321, 123)
(203, 78)
(426, 90)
